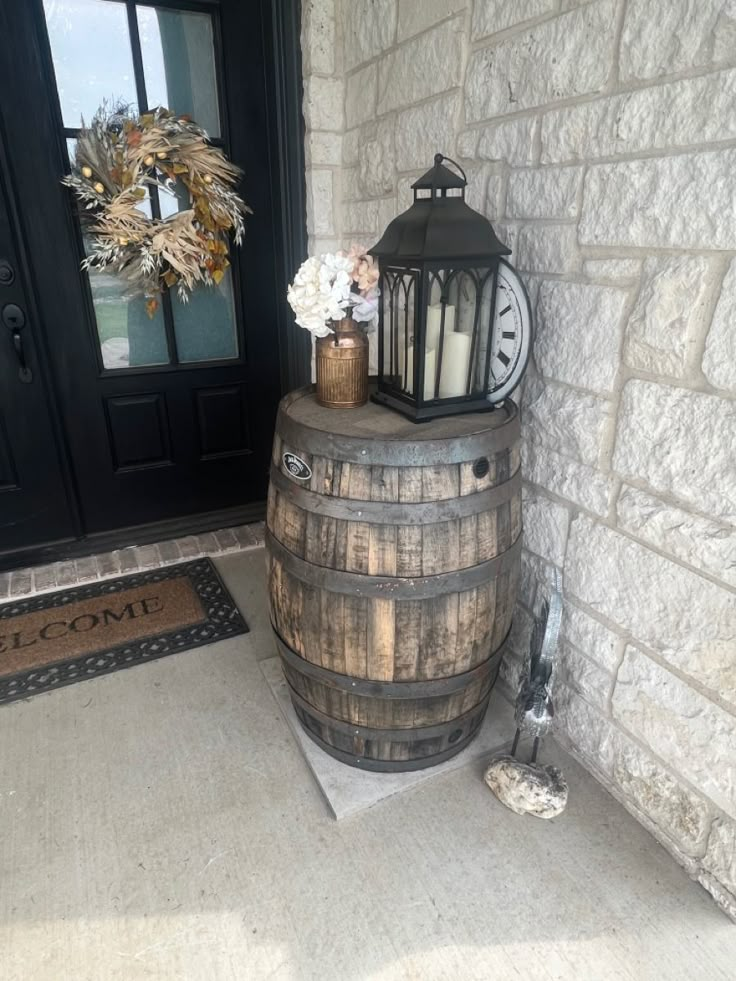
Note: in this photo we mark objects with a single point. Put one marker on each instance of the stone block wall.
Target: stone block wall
(600, 139)
(324, 115)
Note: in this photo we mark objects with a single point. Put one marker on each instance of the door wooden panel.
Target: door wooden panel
(139, 431)
(223, 423)
(8, 472)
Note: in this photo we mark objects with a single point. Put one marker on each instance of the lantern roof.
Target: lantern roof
(439, 226)
(439, 176)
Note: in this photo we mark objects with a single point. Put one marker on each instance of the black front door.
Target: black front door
(34, 498)
(120, 420)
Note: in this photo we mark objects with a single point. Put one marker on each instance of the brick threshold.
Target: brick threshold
(134, 558)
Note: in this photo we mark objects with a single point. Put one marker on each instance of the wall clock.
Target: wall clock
(511, 337)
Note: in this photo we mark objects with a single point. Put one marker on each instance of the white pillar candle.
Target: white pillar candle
(434, 319)
(401, 356)
(430, 367)
(406, 380)
(455, 362)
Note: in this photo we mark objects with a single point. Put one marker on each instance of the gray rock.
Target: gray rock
(527, 788)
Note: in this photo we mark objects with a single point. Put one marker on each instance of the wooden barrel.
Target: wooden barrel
(393, 564)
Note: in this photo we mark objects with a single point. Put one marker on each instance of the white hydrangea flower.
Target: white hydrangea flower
(321, 292)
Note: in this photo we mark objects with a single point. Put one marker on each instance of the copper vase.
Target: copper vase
(342, 366)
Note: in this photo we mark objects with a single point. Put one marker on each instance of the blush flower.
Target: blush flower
(365, 270)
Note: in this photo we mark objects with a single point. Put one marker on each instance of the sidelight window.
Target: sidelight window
(146, 55)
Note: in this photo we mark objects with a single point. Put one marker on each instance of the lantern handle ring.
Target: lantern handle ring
(439, 157)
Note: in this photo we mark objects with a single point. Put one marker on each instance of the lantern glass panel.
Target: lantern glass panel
(453, 309)
(458, 329)
(399, 298)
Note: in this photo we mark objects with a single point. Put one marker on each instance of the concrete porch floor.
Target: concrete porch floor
(160, 823)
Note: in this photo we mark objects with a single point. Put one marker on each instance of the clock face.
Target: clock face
(511, 337)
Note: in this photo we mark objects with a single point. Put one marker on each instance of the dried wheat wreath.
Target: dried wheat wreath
(118, 157)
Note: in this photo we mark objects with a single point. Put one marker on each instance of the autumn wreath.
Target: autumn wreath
(119, 157)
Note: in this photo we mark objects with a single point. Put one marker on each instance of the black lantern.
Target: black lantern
(444, 344)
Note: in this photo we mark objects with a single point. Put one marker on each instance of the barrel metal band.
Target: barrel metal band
(393, 587)
(394, 512)
(388, 689)
(406, 735)
(392, 766)
(396, 452)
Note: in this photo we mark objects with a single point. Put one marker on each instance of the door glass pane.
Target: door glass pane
(179, 63)
(90, 47)
(128, 336)
(205, 326)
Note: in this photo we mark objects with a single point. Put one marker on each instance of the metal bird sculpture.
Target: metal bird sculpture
(534, 708)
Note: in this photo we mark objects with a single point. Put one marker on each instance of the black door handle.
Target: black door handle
(24, 372)
(15, 320)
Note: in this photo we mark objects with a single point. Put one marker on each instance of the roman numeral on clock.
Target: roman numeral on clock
(509, 334)
(504, 358)
(505, 310)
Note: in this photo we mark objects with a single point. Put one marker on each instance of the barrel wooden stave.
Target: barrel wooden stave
(435, 637)
(391, 636)
(400, 550)
(375, 712)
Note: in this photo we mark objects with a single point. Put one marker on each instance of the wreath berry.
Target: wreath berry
(118, 157)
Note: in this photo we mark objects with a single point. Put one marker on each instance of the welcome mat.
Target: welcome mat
(59, 638)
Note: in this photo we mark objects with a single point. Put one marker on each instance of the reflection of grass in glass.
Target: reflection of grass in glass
(112, 319)
(111, 308)
(122, 318)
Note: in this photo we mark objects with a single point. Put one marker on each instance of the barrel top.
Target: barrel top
(372, 421)
(374, 434)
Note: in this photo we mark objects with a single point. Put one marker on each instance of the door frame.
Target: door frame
(281, 20)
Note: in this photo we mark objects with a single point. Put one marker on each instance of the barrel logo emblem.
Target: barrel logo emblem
(295, 466)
